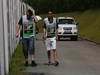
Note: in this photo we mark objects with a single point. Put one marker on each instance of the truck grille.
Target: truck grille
(67, 28)
(67, 33)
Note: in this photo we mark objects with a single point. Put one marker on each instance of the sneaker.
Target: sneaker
(26, 63)
(56, 63)
(49, 63)
(33, 63)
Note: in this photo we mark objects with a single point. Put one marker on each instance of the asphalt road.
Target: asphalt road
(76, 58)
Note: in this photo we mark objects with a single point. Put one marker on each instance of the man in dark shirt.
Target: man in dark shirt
(27, 28)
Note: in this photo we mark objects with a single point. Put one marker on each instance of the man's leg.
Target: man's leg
(32, 51)
(49, 56)
(25, 50)
(55, 55)
(48, 50)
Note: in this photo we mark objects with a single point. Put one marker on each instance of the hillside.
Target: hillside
(89, 25)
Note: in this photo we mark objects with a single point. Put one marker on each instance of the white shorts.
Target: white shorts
(50, 43)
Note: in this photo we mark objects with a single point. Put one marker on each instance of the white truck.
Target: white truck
(67, 27)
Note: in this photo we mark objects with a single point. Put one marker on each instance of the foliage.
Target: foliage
(43, 6)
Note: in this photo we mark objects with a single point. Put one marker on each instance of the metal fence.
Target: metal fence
(10, 12)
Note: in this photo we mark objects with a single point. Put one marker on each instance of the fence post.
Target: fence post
(2, 71)
(5, 30)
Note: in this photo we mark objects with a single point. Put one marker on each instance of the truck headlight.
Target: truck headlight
(74, 28)
(60, 29)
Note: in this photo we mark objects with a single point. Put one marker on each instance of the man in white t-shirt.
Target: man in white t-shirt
(50, 30)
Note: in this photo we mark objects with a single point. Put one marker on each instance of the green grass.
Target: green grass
(17, 61)
(89, 25)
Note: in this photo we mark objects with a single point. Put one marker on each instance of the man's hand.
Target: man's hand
(17, 31)
(18, 34)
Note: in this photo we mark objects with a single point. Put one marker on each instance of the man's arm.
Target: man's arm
(44, 31)
(56, 29)
(19, 28)
(35, 21)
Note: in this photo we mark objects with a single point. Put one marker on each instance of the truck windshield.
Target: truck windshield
(66, 21)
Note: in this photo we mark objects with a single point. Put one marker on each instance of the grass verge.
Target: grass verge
(90, 25)
(16, 64)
